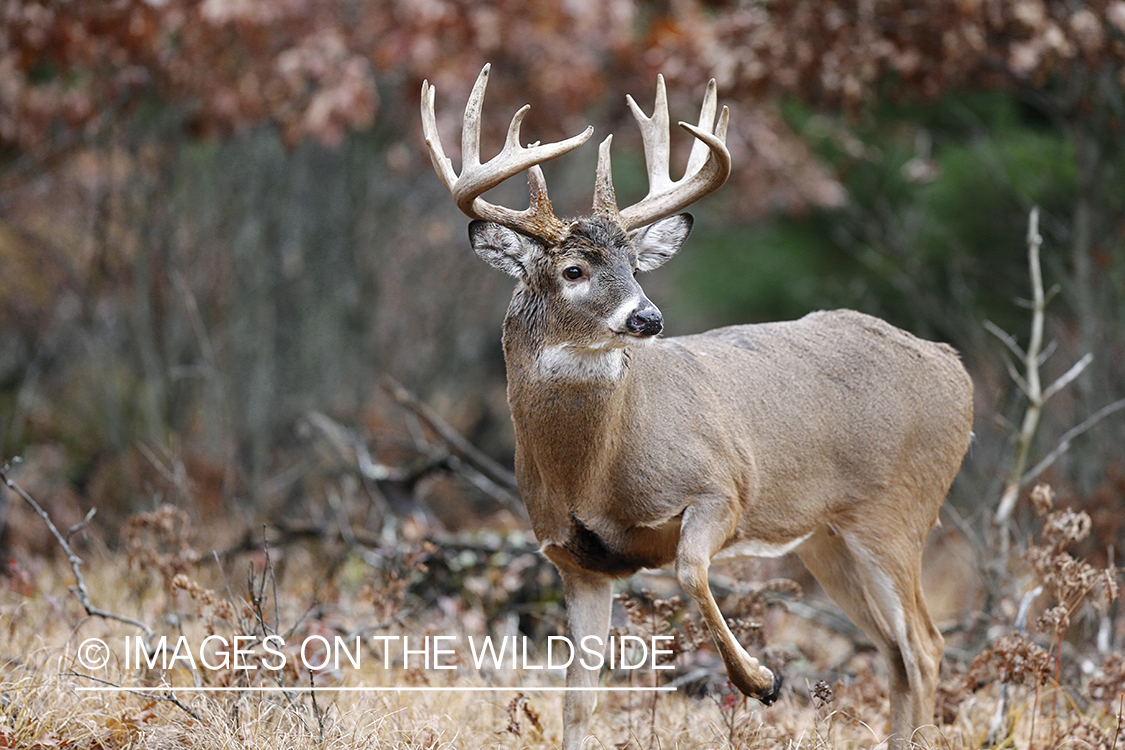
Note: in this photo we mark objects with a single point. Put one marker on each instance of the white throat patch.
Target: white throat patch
(580, 364)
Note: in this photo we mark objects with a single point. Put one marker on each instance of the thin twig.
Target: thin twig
(1006, 338)
(1067, 377)
(1064, 442)
(273, 582)
(171, 698)
(81, 524)
(316, 708)
(1014, 374)
(167, 696)
(79, 589)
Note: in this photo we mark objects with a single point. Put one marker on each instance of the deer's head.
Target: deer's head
(577, 278)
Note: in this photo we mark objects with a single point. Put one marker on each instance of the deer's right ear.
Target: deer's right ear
(500, 247)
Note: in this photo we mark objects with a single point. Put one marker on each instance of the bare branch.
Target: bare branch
(1048, 350)
(79, 589)
(1065, 441)
(167, 696)
(461, 447)
(1014, 374)
(1030, 383)
(1066, 378)
(1006, 338)
(1032, 386)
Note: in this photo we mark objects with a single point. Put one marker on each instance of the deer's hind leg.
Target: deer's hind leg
(876, 580)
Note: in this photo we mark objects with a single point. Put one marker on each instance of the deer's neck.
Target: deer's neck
(567, 403)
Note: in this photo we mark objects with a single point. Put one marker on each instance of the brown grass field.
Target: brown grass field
(1050, 689)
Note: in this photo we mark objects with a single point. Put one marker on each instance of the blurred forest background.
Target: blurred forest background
(220, 233)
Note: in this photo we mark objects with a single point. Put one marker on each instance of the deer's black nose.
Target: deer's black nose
(645, 322)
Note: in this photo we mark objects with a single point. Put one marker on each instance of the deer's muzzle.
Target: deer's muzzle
(647, 321)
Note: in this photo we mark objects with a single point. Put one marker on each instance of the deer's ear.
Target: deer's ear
(660, 240)
(500, 247)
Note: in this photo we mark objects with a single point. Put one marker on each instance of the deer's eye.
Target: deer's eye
(573, 273)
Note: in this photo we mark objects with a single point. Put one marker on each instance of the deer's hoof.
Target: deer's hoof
(774, 691)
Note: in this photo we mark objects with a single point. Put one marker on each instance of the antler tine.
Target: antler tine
(537, 220)
(654, 133)
(605, 199)
(470, 128)
(442, 165)
(708, 164)
(699, 149)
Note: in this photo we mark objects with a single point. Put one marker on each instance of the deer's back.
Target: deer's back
(822, 363)
(829, 409)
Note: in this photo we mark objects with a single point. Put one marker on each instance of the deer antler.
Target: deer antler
(538, 219)
(707, 169)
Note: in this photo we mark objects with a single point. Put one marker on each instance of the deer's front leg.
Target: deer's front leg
(589, 597)
(702, 533)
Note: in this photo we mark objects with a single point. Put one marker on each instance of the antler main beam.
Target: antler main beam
(538, 219)
(708, 164)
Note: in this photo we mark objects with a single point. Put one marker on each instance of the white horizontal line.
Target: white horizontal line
(296, 689)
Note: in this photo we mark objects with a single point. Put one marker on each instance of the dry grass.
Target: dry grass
(1046, 689)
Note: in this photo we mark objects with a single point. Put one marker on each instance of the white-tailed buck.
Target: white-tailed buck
(835, 436)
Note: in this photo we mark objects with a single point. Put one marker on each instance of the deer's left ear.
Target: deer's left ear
(660, 240)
